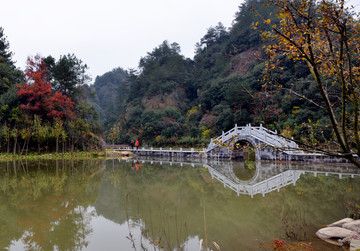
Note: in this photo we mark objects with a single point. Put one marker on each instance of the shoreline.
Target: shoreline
(67, 155)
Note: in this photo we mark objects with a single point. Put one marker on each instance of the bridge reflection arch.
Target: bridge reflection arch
(226, 169)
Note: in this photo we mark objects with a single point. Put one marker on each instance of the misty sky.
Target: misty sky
(109, 33)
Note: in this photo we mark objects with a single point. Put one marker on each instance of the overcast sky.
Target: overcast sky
(109, 33)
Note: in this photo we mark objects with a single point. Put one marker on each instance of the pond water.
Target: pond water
(146, 204)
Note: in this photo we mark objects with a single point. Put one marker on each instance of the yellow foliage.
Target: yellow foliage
(205, 132)
(267, 21)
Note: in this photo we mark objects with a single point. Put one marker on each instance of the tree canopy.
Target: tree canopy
(43, 107)
(67, 74)
(37, 97)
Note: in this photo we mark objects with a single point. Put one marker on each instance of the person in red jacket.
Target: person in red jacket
(137, 144)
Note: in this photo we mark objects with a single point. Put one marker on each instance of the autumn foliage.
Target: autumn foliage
(279, 244)
(37, 97)
(326, 36)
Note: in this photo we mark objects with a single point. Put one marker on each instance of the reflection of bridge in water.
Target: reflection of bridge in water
(265, 177)
(269, 177)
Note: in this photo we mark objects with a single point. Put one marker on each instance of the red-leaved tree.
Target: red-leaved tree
(36, 96)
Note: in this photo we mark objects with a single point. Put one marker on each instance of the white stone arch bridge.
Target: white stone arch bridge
(268, 144)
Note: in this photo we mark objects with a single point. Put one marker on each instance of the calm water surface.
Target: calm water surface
(161, 205)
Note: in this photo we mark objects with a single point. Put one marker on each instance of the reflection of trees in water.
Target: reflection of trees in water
(319, 200)
(44, 203)
(157, 200)
(167, 202)
(244, 170)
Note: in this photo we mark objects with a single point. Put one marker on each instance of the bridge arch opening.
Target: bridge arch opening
(244, 150)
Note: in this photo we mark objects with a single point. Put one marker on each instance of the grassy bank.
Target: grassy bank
(66, 155)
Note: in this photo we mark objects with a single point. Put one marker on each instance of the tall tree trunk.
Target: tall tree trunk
(15, 145)
(8, 145)
(57, 144)
(23, 148)
(27, 146)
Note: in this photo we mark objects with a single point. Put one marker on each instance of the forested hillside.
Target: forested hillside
(239, 75)
(175, 100)
(111, 89)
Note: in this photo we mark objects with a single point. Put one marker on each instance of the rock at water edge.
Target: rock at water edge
(355, 245)
(328, 234)
(353, 226)
(340, 223)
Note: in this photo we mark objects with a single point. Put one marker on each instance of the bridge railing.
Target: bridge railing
(271, 138)
(160, 149)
